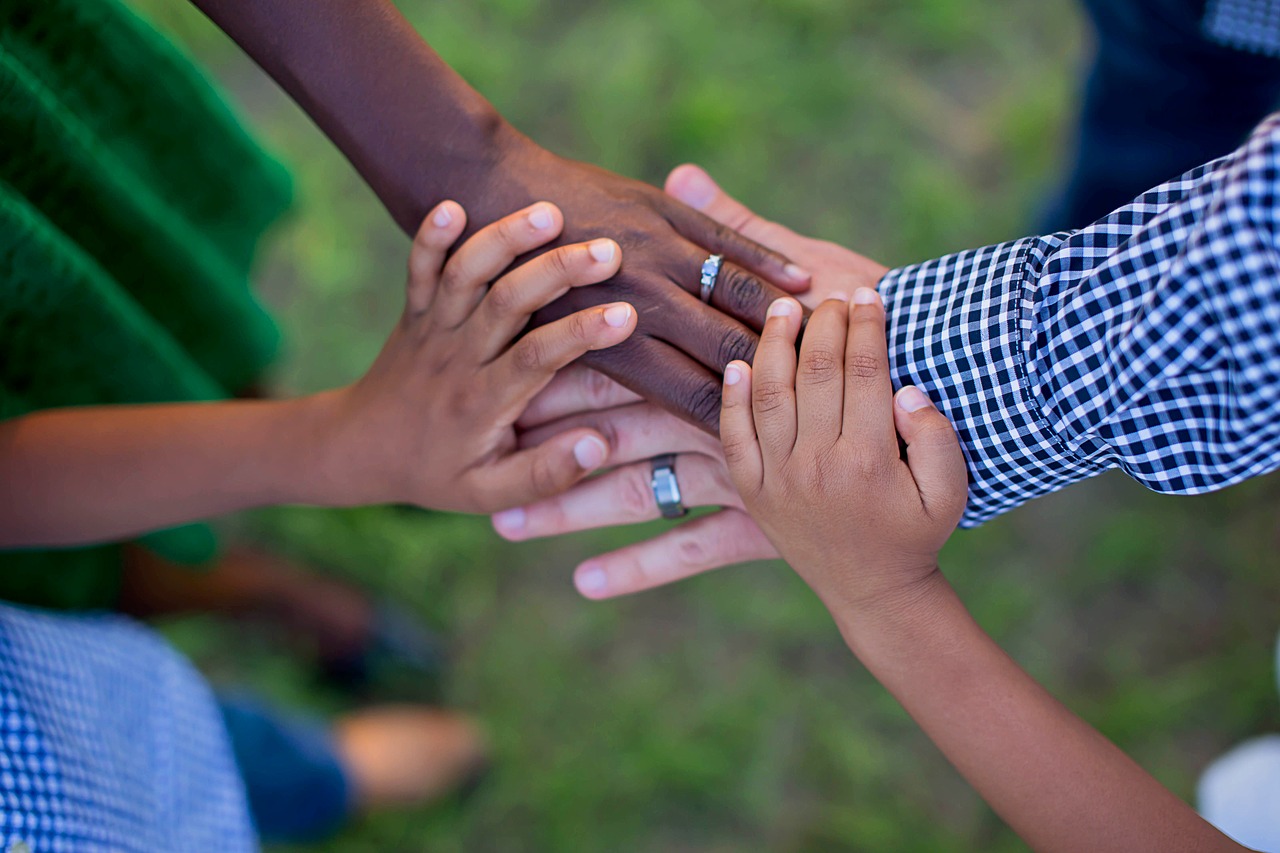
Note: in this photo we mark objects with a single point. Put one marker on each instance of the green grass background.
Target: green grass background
(724, 713)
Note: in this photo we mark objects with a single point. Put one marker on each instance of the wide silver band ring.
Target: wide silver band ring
(710, 272)
(666, 491)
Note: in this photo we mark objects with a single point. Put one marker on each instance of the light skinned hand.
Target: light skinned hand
(580, 397)
(433, 421)
(811, 442)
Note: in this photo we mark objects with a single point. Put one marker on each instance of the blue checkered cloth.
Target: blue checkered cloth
(1252, 25)
(1149, 341)
(110, 741)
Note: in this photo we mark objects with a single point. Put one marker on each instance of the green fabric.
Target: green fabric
(131, 203)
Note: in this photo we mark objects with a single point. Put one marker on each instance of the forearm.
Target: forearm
(1142, 342)
(410, 125)
(79, 476)
(1057, 781)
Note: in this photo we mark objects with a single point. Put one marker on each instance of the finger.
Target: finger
(820, 375)
(492, 249)
(693, 186)
(933, 453)
(738, 438)
(526, 368)
(738, 293)
(720, 239)
(700, 545)
(868, 419)
(634, 432)
(506, 309)
(703, 332)
(575, 389)
(438, 232)
(540, 472)
(663, 374)
(621, 496)
(773, 382)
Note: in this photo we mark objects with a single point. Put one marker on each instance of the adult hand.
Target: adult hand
(681, 345)
(419, 134)
(636, 432)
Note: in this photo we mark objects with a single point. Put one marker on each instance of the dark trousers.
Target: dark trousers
(1160, 98)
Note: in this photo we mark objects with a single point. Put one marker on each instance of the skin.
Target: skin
(418, 134)
(432, 423)
(812, 444)
(638, 431)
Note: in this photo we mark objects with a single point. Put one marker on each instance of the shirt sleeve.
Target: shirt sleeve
(1149, 341)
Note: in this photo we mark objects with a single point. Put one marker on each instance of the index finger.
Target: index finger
(868, 394)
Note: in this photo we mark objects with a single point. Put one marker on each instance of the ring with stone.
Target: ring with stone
(710, 272)
(666, 491)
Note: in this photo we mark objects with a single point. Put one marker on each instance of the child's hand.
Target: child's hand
(432, 421)
(814, 452)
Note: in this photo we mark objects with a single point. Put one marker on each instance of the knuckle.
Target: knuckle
(505, 298)
(864, 364)
(736, 345)
(544, 476)
(692, 551)
(703, 403)
(529, 354)
(736, 451)
(559, 263)
(740, 290)
(819, 364)
(636, 495)
(769, 395)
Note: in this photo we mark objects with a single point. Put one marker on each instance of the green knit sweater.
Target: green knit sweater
(131, 203)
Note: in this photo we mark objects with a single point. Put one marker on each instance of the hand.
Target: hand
(580, 397)
(813, 450)
(432, 423)
(832, 266)
(681, 345)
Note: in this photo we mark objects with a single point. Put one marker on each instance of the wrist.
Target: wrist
(320, 461)
(896, 618)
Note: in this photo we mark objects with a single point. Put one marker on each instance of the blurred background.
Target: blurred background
(725, 713)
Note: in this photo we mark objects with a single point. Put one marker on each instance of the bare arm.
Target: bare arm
(418, 134)
(74, 476)
(1055, 779)
(812, 444)
(431, 423)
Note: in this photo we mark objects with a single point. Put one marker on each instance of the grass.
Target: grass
(724, 713)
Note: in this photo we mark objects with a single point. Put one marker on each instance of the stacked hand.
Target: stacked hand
(638, 431)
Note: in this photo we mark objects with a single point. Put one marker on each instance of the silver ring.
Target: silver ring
(710, 272)
(666, 491)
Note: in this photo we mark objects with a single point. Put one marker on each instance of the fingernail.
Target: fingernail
(732, 374)
(617, 315)
(509, 521)
(442, 217)
(912, 399)
(601, 250)
(865, 296)
(540, 217)
(590, 452)
(838, 295)
(795, 273)
(781, 308)
(696, 189)
(591, 578)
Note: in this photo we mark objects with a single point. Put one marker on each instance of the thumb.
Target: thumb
(933, 453)
(691, 185)
(546, 470)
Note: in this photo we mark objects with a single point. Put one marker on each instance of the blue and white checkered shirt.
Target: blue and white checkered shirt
(1149, 341)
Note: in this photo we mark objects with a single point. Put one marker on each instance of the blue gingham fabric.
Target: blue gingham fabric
(1252, 25)
(1149, 341)
(110, 741)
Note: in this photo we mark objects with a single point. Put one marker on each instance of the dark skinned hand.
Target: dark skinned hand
(419, 134)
